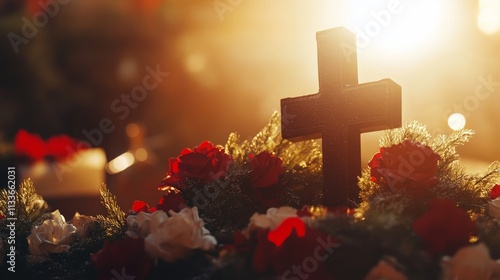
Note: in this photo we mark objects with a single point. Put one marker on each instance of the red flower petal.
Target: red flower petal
(125, 254)
(407, 165)
(444, 228)
(171, 201)
(140, 206)
(495, 191)
(204, 163)
(266, 169)
(204, 147)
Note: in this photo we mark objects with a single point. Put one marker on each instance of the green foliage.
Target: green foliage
(381, 228)
(301, 184)
(302, 161)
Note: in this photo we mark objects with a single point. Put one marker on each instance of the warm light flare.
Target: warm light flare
(94, 158)
(120, 163)
(397, 25)
(488, 18)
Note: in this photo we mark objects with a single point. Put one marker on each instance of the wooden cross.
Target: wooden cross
(339, 113)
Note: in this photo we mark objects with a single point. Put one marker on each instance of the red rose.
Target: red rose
(266, 169)
(405, 165)
(495, 191)
(444, 228)
(298, 257)
(171, 201)
(122, 257)
(141, 206)
(205, 163)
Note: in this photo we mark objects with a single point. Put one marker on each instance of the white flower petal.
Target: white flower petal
(273, 217)
(52, 236)
(172, 238)
(471, 262)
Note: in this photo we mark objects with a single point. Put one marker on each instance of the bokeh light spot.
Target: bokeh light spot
(488, 18)
(195, 63)
(456, 121)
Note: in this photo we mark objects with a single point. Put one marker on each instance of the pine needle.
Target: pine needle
(115, 221)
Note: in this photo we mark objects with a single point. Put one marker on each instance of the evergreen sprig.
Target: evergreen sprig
(469, 190)
(29, 205)
(114, 222)
(301, 184)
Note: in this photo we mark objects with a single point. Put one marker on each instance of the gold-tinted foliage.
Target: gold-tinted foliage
(412, 130)
(300, 155)
(300, 185)
(114, 222)
(303, 161)
(469, 191)
(29, 206)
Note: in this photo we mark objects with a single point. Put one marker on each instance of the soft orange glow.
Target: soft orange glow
(141, 154)
(195, 63)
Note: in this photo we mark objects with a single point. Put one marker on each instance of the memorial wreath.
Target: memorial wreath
(252, 210)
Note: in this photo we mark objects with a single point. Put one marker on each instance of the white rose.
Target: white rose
(173, 238)
(53, 236)
(494, 208)
(384, 271)
(83, 224)
(139, 225)
(471, 262)
(273, 217)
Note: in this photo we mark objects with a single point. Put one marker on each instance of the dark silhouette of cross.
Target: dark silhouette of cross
(339, 113)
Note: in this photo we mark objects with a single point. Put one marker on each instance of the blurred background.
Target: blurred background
(219, 66)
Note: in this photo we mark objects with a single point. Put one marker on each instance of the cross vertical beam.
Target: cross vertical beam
(340, 111)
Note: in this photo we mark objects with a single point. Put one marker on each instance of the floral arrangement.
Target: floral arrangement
(250, 210)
